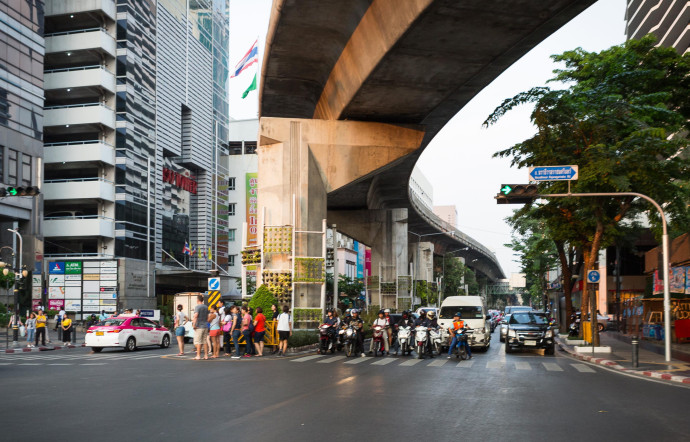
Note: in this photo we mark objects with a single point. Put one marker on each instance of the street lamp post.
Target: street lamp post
(414, 269)
(22, 273)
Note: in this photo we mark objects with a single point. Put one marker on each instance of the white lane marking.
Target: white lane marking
(307, 358)
(357, 360)
(136, 358)
(411, 362)
(438, 363)
(582, 368)
(522, 365)
(26, 363)
(495, 364)
(383, 361)
(551, 366)
(60, 364)
(331, 359)
(465, 364)
(102, 363)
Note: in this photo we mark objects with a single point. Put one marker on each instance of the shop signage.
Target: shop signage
(178, 180)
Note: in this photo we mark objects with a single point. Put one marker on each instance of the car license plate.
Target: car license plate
(99, 333)
(531, 343)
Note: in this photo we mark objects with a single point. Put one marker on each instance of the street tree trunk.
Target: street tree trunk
(566, 271)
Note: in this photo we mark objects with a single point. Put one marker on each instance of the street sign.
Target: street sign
(553, 173)
(213, 283)
(212, 298)
(593, 276)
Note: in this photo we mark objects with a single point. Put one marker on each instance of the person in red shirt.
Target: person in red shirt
(259, 330)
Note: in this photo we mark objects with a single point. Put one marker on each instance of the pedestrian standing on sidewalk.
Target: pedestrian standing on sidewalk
(41, 328)
(274, 317)
(236, 330)
(58, 323)
(30, 329)
(66, 326)
(259, 331)
(284, 330)
(226, 326)
(247, 331)
(214, 330)
(200, 323)
(180, 320)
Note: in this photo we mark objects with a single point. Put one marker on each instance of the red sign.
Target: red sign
(56, 304)
(178, 180)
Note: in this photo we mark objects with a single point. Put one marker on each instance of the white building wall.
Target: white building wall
(422, 188)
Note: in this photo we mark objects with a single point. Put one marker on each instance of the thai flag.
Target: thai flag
(251, 57)
(186, 249)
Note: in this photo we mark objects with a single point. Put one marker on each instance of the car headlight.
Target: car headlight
(549, 333)
(512, 333)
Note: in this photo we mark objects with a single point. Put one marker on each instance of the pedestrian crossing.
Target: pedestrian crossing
(78, 359)
(475, 363)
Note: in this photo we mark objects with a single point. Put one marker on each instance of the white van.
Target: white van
(474, 314)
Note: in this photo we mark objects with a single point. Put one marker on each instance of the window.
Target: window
(231, 209)
(26, 170)
(12, 168)
(231, 183)
(231, 260)
(231, 235)
(2, 152)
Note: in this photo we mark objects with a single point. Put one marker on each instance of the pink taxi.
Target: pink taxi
(128, 332)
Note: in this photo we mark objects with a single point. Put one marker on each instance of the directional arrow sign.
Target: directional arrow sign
(506, 190)
(553, 173)
(213, 283)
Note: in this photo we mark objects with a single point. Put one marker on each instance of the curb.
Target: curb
(42, 348)
(614, 365)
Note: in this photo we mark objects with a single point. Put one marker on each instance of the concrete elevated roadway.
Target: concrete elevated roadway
(353, 92)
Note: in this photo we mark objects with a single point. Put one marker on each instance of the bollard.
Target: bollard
(635, 350)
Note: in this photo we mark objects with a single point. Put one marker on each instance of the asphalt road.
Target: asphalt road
(153, 395)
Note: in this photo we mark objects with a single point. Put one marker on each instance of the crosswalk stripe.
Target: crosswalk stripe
(495, 364)
(465, 364)
(551, 366)
(582, 368)
(438, 363)
(356, 360)
(307, 358)
(26, 363)
(522, 365)
(383, 361)
(101, 363)
(411, 362)
(60, 364)
(331, 359)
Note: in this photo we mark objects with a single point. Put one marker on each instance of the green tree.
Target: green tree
(623, 118)
(262, 298)
(351, 287)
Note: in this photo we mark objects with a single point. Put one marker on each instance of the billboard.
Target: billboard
(82, 286)
(252, 208)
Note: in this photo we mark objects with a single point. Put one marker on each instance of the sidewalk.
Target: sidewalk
(56, 344)
(650, 357)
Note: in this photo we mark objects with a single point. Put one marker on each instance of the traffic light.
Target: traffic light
(19, 191)
(517, 194)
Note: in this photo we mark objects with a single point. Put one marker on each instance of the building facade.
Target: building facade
(22, 50)
(136, 120)
(448, 214)
(669, 20)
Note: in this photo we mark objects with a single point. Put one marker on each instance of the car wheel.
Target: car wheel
(96, 349)
(131, 344)
(550, 350)
(166, 342)
(502, 339)
(508, 349)
(601, 327)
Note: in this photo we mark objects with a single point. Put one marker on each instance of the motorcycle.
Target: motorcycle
(404, 337)
(378, 340)
(326, 339)
(462, 343)
(574, 329)
(435, 337)
(350, 340)
(420, 334)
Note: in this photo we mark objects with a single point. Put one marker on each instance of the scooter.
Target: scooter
(326, 339)
(404, 337)
(462, 344)
(350, 340)
(378, 340)
(435, 338)
(420, 334)
(574, 329)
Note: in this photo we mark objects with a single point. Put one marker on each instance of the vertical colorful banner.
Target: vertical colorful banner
(687, 280)
(252, 208)
(367, 261)
(677, 280)
(360, 249)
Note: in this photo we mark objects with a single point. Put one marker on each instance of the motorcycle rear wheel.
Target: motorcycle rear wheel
(405, 349)
(420, 352)
(462, 352)
(348, 349)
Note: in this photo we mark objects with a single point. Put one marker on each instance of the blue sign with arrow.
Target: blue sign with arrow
(553, 173)
(213, 283)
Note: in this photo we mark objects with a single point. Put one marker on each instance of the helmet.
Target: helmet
(330, 310)
(381, 312)
(458, 314)
(354, 310)
(387, 310)
(430, 314)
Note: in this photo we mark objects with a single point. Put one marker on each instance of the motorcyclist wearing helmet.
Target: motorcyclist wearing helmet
(383, 322)
(458, 324)
(332, 322)
(405, 321)
(389, 327)
(357, 322)
(430, 322)
(421, 319)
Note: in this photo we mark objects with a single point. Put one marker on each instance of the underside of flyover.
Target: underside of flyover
(409, 64)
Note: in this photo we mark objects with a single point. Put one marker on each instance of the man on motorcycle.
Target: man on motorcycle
(389, 327)
(357, 322)
(382, 322)
(421, 319)
(405, 321)
(332, 321)
(458, 324)
(431, 322)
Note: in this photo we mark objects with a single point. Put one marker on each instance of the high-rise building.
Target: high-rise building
(136, 117)
(21, 130)
(669, 20)
(448, 214)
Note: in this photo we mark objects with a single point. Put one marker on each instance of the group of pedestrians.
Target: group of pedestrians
(232, 323)
(36, 327)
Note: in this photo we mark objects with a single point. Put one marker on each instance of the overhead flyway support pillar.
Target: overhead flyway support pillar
(310, 158)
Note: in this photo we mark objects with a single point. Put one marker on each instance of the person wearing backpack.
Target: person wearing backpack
(247, 330)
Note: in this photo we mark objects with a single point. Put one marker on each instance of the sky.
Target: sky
(460, 156)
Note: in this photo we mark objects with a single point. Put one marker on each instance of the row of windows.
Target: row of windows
(14, 160)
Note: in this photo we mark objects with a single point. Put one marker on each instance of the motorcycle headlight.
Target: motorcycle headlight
(549, 333)
(512, 333)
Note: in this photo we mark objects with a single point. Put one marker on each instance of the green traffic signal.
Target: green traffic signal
(517, 194)
(506, 189)
(12, 191)
(19, 191)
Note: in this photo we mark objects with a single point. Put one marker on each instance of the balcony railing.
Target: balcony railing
(79, 226)
(79, 189)
(79, 151)
(79, 114)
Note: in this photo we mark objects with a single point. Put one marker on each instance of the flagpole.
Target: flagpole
(173, 258)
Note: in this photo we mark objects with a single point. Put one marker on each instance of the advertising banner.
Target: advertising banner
(56, 280)
(91, 296)
(76, 283)
(677, 280)
(252, 208)
(56, 268)
(56, 304)
(361, 258)
(108, 302)
(72, 292)
(108, 264)
(88, 265)
(367, 261)
(73, 305)
(73, 267)
(56, 292)
(687, 280)
(35, 304)
(90, 277)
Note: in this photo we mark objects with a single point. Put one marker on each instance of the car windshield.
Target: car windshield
(467, 312)
(527, 318)
(110, 322)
